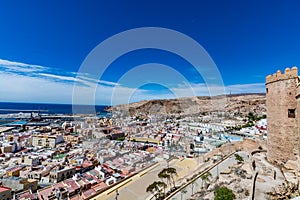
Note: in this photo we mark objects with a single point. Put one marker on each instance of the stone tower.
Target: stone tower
(281, 92)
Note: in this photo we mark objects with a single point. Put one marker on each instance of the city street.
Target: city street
(136, 186)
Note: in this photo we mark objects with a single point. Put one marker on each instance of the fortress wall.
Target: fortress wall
(282, 115)
(247, 145)
(278, 76)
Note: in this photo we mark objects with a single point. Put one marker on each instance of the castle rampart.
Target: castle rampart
(281, 92)
(279, 76)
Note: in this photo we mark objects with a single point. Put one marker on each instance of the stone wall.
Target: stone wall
(281, 116)
(297, 150)
(247, 145)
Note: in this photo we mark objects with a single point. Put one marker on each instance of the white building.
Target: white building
(46, 140)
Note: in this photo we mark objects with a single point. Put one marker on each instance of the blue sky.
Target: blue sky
(43, 44)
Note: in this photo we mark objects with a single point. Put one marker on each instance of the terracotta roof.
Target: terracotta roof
(3, 189)
(45, 192)
(87, 164)
(72, 185)
(85, 181)
(99, 186)
(58, 185)
(26, 195)
(14, 169)
(125, 171)
(76, 197)
(89, 193)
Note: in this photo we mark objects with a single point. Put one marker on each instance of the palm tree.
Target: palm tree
(205, 178)
(183, 192)
(193, 183)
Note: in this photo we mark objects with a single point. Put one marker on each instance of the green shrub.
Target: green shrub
(223, 193)
(238, 158)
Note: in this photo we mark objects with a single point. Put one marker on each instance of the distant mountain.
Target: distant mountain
(236, 104)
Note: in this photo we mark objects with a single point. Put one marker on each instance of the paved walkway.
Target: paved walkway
(188, 191)
(265, 182)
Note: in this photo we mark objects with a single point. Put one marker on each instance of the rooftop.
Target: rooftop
(3, 189)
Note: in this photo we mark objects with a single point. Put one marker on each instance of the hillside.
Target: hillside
(230, 104)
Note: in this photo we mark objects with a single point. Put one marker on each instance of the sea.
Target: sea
(45, 108)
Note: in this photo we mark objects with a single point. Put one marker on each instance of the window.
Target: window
(267, 90)
(291, 113)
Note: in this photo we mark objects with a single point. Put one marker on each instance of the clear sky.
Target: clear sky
(43, 43)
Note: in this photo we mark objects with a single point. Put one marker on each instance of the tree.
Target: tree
(156, 189)
(163, 175)
(192, 146)
(152, 188)
(253, 164)
(193, 183)
(172, 172)
(238, 158)
(205, 178)
(168, 173)
(184, 191)
(161, 185)
(223, 193)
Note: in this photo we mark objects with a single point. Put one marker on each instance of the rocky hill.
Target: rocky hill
(238, 104)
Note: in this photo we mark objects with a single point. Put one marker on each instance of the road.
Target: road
(135, 187)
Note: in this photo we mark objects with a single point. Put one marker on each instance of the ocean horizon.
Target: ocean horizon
(49, 108)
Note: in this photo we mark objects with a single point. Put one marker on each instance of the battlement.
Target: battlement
(278, 76)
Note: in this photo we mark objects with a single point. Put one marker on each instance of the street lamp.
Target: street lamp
(229, 144)
(218, 171)
(198, 156)
(117, 194)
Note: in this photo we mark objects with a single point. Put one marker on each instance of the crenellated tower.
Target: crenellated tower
(282, 114)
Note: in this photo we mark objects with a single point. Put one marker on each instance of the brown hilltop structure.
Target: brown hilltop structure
(283, 109)
(236, 104)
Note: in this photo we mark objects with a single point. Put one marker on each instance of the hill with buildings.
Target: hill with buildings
(237, 104)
